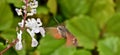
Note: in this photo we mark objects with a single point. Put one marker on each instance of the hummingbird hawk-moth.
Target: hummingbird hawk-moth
(61, 32)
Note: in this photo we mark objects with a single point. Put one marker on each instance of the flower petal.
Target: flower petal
(42, 31)
(21, 24)
(32, 34)
(34, 42)
(18, 46)
(19, 11)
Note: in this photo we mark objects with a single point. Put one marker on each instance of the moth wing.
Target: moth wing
(71, 40)
(54, 32)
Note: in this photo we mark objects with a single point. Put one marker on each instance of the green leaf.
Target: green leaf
(16, 20)
(85, 30)
(49, 45)
(113, 25)
(17, 3)
(11, 51)
(6, 16)
(109, 46)
(42, 10)
(102, 10)
(82, 52)
(2, 5)
(70, 8)
(21, 52)
(117, 2)
(1, 46)
(64, 50)
(52, 5)
(43, 14)
(9, 35)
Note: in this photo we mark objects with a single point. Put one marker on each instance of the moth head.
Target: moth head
(62, 30)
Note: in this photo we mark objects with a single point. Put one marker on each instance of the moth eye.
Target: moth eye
(60, 28)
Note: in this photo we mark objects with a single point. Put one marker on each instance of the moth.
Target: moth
(61, 32)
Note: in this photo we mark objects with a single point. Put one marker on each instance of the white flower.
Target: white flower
(21, 24)
(33, 4)
(29, 14)
(35, 26)
(18, 45)
(39, 22)
(24, 7)
(42, 31)
(32, 12)
(19, 11)
(32, 34)
(34, 42)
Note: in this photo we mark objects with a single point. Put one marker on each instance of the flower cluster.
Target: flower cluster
(32, 25)
(32, 5)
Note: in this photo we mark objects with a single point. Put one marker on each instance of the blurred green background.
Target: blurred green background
(95, 23)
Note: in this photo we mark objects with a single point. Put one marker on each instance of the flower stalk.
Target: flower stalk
(31, 24)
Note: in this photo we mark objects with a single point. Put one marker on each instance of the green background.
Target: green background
(95, 24)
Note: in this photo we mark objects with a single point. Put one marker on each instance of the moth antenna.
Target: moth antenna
(56, 20)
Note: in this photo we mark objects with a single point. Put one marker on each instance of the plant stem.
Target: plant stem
(9, 46)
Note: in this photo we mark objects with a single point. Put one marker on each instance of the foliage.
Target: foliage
(95, 24)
